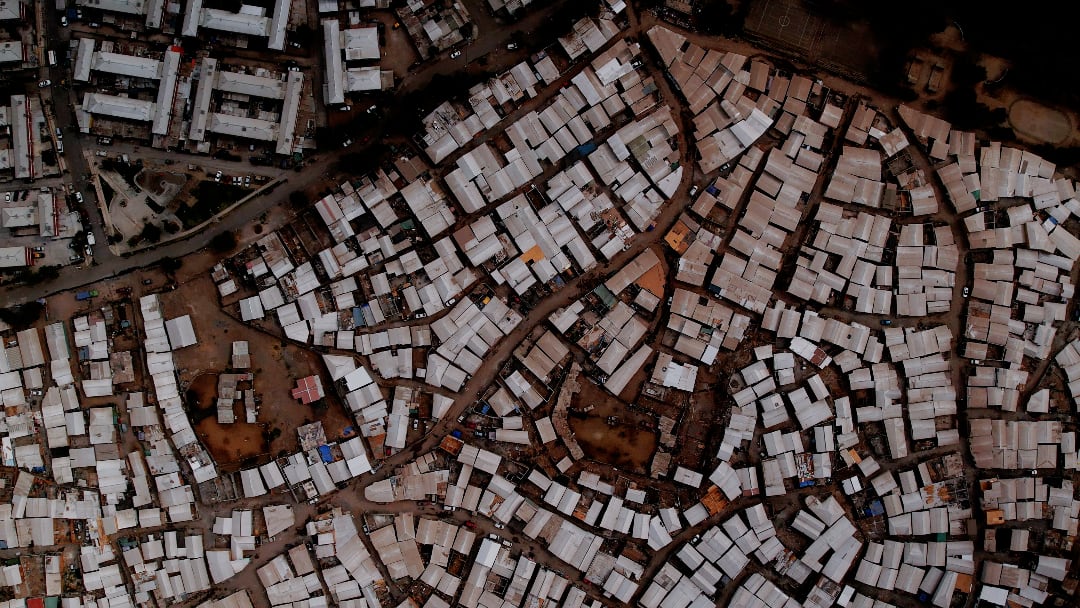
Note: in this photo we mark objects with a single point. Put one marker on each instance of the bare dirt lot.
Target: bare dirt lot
(275, 364)
(229, 444)
(233, 444)
(794, 24)
(621, 441)
(1039, 122)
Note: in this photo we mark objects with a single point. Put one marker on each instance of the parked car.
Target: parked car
(512, 46)
(63, 21)
(79, 197)
(455, 54)
(44, 83)
(217, 176)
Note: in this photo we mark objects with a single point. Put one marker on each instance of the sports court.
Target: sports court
(795, 27)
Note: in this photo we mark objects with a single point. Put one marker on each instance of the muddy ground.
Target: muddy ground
(626, 444)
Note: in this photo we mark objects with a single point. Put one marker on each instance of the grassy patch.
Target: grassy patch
(210, 198)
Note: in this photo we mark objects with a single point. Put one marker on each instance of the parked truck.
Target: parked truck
(86, 295)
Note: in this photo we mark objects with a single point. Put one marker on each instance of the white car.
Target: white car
(79, 197)
(217, 176)
(455, 54)
(44, 83)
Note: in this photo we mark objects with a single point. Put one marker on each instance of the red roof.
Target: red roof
(308, 390)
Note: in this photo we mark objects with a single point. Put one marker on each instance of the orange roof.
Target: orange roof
(452, 445)
(714, 501)
(676, 237)
(532, 255)
(653, 281)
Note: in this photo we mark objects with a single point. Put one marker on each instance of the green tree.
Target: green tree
(223, 242)
(298, 199)
(23, 315)
(170, 265)
(150, 233)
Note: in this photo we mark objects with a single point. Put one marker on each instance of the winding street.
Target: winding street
(352, 498)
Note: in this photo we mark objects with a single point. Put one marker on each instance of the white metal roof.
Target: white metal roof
(119, 107)
(278, 24)
(181, 333)
(242, 126)
(166, 92)
(361, 43)
(126, 65)
(335, 87)
(237, 23)
(249, 84)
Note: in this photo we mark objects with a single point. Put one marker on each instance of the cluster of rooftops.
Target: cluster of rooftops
(431, 269)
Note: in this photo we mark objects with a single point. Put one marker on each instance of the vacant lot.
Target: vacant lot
(793, 24)
(625, 441)
(233, 444)
(275, 363)
(1039, 122)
